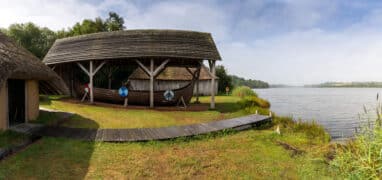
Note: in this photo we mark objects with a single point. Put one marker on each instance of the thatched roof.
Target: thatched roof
(172, 73)
(18, 63)
(130, 44)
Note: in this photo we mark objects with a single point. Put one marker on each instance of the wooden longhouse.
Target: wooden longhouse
(20, 75)
(151, 50)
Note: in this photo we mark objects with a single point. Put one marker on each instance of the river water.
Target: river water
(339, 110)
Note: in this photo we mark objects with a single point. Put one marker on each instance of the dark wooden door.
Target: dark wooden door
(16, 101)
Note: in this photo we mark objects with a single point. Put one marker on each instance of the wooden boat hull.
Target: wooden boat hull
(140, 97)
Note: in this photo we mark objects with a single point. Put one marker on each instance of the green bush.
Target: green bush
(284, 122)
(259, 110)
(243, 91)
(254, 101)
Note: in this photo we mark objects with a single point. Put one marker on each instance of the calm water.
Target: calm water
(339, 110)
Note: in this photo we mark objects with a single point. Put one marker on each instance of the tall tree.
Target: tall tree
(114, 22)
(37, 40)
(224, 79)
(88, 26)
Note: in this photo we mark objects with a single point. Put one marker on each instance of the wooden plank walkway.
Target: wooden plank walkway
(148, 134)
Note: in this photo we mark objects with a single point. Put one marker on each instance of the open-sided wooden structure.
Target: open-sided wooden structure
(173, 78)
(20, 75)
(151, 50)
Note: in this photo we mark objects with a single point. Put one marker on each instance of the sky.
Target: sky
(292, 42)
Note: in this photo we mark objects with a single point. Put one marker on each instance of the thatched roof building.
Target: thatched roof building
(152, 50)
(18, 63)
(131, 44)
(20, 73)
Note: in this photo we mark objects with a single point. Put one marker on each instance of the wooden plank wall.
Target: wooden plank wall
(160, 85)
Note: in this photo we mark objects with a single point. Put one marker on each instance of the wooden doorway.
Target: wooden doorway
(16, 101)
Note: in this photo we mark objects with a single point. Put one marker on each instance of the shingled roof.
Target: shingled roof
(172, 73)
(18, 63)
(134, 44)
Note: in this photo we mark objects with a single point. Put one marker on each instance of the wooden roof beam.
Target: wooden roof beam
(158, 69)
(99, 67)
(83, 68)
(209, 72)
(144, 68)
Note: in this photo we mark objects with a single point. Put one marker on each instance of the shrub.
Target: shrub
(259, 110)
(254, 101)
(243, 91)
(283, 121)
(312, 130)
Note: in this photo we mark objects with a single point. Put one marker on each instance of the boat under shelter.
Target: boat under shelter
(92, 58)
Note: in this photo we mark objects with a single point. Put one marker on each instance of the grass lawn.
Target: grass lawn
(252, 154)
(103, 117)
(8, 138)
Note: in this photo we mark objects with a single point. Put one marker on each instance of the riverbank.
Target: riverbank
(338, 110)
(300, 150)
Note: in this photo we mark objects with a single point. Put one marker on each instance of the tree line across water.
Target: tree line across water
(231, 81)
(372, 84)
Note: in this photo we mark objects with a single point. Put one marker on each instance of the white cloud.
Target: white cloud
(309, 57)
(281, 41)
(53, 14)
(188, 15)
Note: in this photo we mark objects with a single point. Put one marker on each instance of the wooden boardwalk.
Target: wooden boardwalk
(147, 134)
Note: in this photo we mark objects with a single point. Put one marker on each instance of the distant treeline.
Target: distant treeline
(281, 86)
(38, 40)
(347, 84)
(232, 81)
(239, 81)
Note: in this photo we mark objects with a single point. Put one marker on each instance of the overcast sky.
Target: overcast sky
(278, 41)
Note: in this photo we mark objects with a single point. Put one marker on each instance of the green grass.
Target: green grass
(248, 155)
(9, 138)
(361, 158)
(251, 154)
(88, 116)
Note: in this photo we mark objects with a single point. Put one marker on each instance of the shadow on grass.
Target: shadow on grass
(65, 120)
(225, 107)
(47, 99)
(50, 157)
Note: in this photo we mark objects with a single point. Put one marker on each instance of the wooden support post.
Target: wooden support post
(160, 67)
(91, 74)
(197, 76)
(152, 73)
(72, 81)
(91, 82)
(197, 85)
(151, 83)
(126, 102)
(109, 77)
(212, 88)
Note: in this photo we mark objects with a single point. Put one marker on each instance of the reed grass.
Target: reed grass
(361, 158)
